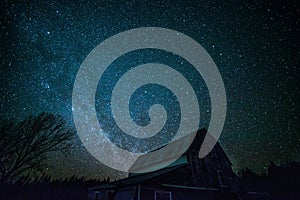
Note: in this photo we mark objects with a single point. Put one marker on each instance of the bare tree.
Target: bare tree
(25, 145)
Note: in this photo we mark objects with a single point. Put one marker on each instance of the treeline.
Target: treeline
(47, 179)
(46, 188)
(281, 182)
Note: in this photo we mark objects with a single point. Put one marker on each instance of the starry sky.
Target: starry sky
(253, 43)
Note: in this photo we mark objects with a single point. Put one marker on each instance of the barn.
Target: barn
(189, 177)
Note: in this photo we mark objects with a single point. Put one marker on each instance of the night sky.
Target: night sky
(254, 44)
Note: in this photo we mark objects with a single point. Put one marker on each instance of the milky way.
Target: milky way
(254, 45)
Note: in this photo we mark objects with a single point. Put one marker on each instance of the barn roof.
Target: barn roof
(137, 179)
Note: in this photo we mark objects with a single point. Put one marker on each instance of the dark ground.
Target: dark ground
(282, 182)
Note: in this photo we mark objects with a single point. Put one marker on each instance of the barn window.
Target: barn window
(221, 178)
(162, 195)
(96, 196)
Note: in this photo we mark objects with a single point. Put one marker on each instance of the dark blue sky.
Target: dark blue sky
(253, 43)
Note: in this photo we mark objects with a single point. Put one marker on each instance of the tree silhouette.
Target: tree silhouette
(25, 145)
